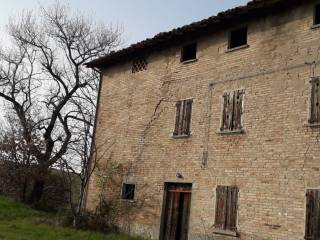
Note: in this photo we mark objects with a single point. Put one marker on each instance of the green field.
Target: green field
(18, 222)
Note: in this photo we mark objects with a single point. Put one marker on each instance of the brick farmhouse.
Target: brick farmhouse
(212, 130)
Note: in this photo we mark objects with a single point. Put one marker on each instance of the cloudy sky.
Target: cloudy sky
(139, 18)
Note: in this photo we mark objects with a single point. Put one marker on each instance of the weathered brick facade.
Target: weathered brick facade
(273, 162)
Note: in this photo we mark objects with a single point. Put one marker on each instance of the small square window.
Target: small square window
(128, 191)
(238, 38)
(189, 52)
(317, 15)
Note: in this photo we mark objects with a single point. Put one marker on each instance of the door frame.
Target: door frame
(164, 204)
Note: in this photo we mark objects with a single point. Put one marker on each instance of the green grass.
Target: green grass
(18, 222)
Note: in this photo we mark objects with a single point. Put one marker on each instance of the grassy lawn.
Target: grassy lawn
(18, 222)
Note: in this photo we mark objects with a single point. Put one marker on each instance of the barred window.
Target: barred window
(139, 65)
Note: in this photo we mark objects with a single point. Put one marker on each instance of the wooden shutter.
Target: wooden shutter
(237, 110)
(315, 101)
(227, 112)
(175, 214)
(226, 208)
(185, 215)
(183, 117)
(187, 116)
(232, 111)
(168, 214)
(232, 203)
(178, 113)
(221, 207)
(313, 215)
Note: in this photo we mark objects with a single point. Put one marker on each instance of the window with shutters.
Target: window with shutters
(128, 191)
(183, 118)
(313, 215)
(232, 114)
(226, 208)
(315, 101)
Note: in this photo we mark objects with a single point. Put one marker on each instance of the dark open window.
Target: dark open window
(317, 15)
(128, 191)
(232, 111)
(189, 52)
(226, 208)
(315, 101)
(183, 118)
(313, 215)
(238, 37)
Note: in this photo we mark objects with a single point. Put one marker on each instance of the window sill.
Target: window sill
(237, 48)
(240, 131)
(181, 136)
(312, 125)
(316, 26)
(226, 232)
(190, 61)
(127, 201)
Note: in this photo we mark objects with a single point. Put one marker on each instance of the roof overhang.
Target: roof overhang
(253, 10)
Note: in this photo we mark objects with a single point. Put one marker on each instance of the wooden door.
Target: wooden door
(175, 217)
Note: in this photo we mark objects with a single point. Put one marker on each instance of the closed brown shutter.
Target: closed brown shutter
(315, 101)
(224, 125)
(232, 111)
(175, 214)
(169, 212)
(231, 220)
(237, 109)
(185, 215)
(227, 112)
(313, 215)
(178, 113)
(183, 118)
(187, 117)
(226, 208)
(221, 207)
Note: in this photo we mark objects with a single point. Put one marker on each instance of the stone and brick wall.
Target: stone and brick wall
(273, 162)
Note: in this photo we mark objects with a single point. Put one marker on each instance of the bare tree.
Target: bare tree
(44, 78)
(86, 153)
(90, 158)
(16, 160)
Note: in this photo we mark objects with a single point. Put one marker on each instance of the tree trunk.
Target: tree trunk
(24, 190)
(38, 185)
